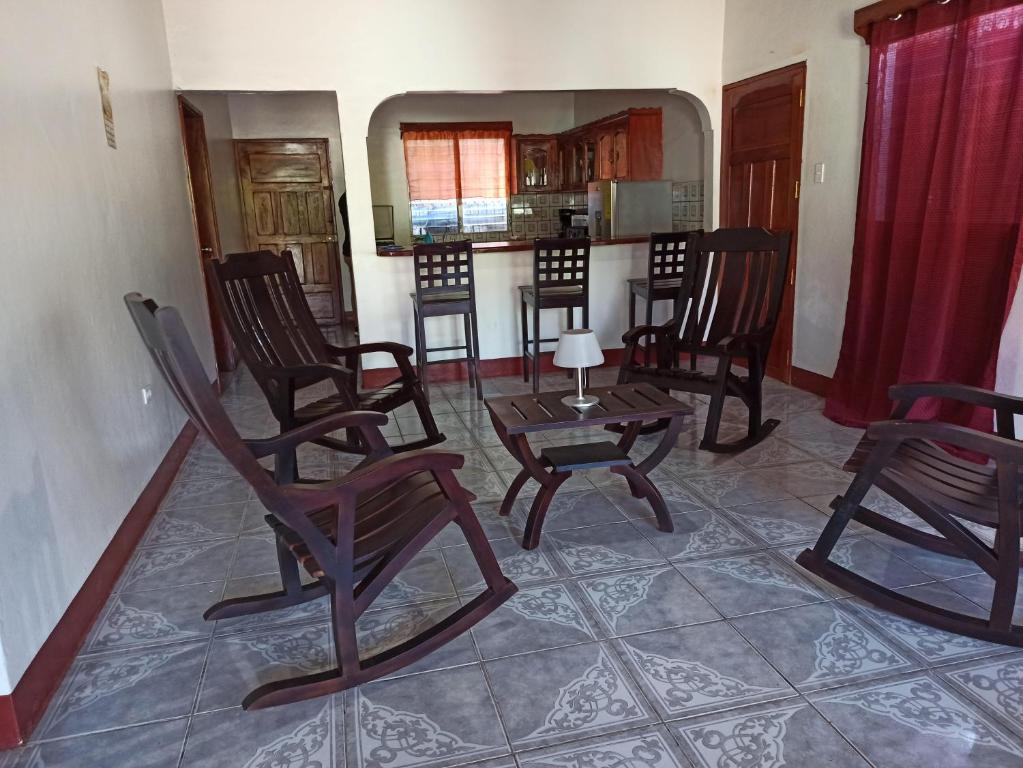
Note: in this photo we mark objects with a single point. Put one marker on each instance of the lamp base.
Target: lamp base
(575, 401)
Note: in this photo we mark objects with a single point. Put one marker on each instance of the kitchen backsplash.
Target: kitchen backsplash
(536, 215)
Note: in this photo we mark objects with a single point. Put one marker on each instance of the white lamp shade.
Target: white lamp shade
(578, 348)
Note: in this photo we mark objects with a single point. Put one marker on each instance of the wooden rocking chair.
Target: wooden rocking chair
(728, 309)
(352, 535)
(903, 459)
(261, 297)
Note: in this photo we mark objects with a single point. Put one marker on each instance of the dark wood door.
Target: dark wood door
(761, 162)
(204, 218)
(288, 203)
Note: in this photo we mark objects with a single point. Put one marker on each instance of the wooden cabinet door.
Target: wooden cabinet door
(288, 203)
(605, 155)
(621, 154)
(760, 171)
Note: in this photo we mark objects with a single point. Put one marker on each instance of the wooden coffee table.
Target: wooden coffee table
(516, 416)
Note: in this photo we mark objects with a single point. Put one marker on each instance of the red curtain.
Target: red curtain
(450, 161)
(937, 248)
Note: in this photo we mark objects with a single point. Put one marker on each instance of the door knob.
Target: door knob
(206, 250)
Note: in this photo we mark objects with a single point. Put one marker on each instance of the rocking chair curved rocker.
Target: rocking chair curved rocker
(352, 535)
(953, 496)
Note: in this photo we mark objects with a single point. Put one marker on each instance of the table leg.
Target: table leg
(538, 511)
(637, 475)
(549, 480)
(513, 491)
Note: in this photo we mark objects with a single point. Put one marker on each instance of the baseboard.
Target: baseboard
(21, 710)
(809, 381)
(444, 372)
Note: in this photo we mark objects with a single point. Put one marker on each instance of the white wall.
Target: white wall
(528, 112)
(368, 52)
(85, 224)
(220, 142)
(759, 37)
(682, 129)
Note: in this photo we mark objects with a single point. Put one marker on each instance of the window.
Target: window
(457, 176)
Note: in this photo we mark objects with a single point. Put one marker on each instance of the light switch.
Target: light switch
(818, 173)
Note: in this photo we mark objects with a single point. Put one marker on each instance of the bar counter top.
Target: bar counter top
(505, 246)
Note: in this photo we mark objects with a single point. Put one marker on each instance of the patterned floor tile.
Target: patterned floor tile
(693, 670)
(861, 555)
(433, 720)
(314, 610)
(204, 493)
(750, 583)
(933, 646)
(238, 664)
(179, 564)
(643, 748)
(996, 683)
(933, 564)
(980, 589)
(776, 523)
(533, 619)
(699, 534)
(643, 600)
(603, 548)
(810, 478)
(379, 630)
(308, 734)
(770, 453)
(565, 694)
(488, 486)
(125, 688)
(494, 526)
(730, 489)
(686, 460)
(257, 555)
(677, 498)
(821, 646)
(184, 524)
(424, 578)
(577, 482)
(915, 721)
(786, 733)
(156, 617)
(157, 745)
(575, 509)
(520, 565)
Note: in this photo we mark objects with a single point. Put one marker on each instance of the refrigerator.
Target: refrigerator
(628, 208)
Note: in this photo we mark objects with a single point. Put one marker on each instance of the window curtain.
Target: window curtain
(452, 162)
(937, 246)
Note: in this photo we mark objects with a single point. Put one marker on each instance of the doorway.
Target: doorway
(204, 219)
(761, 165)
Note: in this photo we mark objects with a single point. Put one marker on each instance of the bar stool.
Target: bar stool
(445, 286)
(561, 280)
(665, 268)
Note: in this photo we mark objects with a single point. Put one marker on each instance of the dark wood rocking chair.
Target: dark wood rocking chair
(261, 297)
(352, 535)
(728, 310)
(904, 459)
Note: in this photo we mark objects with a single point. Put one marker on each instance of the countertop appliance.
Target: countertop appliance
(628, 208)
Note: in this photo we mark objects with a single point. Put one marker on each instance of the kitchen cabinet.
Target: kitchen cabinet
(627, 146)
(535, 163)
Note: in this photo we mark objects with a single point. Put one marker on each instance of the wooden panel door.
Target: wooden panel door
(761, 162)
(288, 203)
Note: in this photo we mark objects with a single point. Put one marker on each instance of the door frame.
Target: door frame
(223, 345)
(786, 320)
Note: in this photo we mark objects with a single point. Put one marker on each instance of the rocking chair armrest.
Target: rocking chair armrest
(364, 421)
(378, 474)
(400, 352)
(741, 342)
(633, 335)
(964, 393)
(322, 370)
(1001, 448)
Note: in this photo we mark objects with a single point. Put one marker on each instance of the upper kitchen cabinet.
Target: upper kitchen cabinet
(535, 163)
(628, 145)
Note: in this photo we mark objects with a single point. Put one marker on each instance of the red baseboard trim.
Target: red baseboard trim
(21, 710)
(440, 373)
(809, 381)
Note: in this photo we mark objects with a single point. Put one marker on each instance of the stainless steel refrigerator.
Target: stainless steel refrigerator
(628, 208)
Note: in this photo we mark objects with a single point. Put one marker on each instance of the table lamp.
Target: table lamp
(578, 348)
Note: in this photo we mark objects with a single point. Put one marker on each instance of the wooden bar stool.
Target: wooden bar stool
(665, 265)
(561, 280)
(445, 286)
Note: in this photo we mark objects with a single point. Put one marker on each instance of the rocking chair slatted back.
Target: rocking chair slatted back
(266, 308)
(739, 283)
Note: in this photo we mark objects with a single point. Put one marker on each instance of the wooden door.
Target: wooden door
(761, 162)
(204, 219)
(288, 203)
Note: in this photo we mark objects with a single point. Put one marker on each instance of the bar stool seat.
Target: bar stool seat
(445, 286)
(561, 280)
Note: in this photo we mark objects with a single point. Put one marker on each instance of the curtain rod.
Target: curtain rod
(886, 10)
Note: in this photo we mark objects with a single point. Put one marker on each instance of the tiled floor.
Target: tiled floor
(624, 647)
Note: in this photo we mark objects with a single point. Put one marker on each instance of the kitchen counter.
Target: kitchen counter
(505, 246)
